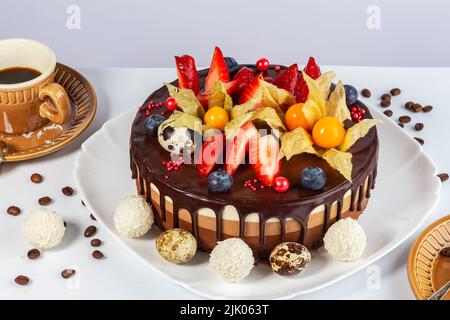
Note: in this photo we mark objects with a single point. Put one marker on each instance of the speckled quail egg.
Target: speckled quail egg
(176, 245)
(289, 258)
(177, 139)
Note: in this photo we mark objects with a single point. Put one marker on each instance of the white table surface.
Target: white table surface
(122, 276)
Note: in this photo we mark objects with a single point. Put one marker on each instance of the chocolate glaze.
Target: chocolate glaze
(189, 190)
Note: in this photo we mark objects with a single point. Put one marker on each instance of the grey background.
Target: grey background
(149, 33)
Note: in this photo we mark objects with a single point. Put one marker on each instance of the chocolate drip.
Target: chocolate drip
(327, 215)
(162, 205)
(262, 229)
(369, 186)
(360, 197)
(219, 224)
(339, 209)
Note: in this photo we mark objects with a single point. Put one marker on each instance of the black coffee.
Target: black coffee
(17, 75)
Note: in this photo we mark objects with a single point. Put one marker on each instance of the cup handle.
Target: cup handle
(56, 106)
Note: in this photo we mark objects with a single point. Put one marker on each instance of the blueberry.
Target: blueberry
(313, 178)
(232, 65)
(220, 181)
(152, 123)
(351, 95)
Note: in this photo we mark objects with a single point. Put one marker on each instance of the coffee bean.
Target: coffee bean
(446, 252)
(419, 126)
(33, 254)
(96, 242)
(385, 103)
(417, 107)
(67, 191)
(97, 254)
(389, 113)
(427, 108)
(92, 217)
(404, 119)
(82, 202)
(13, 210)
(395, 91)
(409, 105)
(44, 201)
(67, 273)
(22, 280)
(36, 178)
(386, 96)
(90, 231)
(401, 125)
(366, 93)
(420, 140)
(443, 176)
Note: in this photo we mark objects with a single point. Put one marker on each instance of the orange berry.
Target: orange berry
(216, 118)
(295, 118)
(328, 132)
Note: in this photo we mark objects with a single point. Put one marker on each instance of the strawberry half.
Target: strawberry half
(287, 79)
(211, 151)
(251, 89)
(217, 71)
(238, 147)
(243, 78)
(187, 73)
(264, 159)
(301, 89)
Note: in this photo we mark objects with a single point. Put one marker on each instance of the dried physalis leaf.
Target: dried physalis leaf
(220, 98)
(182, 119)
(269, 116)
(336, 105)
(276, 98)
(340, 161)
(356, 132)
(186, 101)
(295, 142)
(251, 105)
(324, 82)
(315, 93)
(232, 127)
(312, 112)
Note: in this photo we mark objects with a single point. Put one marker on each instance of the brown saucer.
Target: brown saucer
(428, 270)
(51, 137)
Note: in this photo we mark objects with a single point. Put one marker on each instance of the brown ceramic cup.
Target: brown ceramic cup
(28, 106)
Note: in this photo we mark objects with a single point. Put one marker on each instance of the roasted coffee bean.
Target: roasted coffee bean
(446, 252)
(96, 242)
(417, 107)
(427, 108)
(389, 113)
(404, 119)
(443, 176)
(44, 201)
(366, 93)
(90, 231)
(33, 254)
(82, 202)
(385, 103)
(22, 280)
(401, 125)
(36, 178)
(97, 254)
(92, 217)
(67, 273)
(13, 210)
(67, 191)
(420, 140)
(386, 96)
(419, 126)
(409, 105)
(395, 91)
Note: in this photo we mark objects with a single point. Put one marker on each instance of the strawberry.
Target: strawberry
(287, 79)
(238, 147)
(203, 96)
(210, 153)
(243, 78)
(187, 73)
(301, 89)
(217, 71)
(251, 89)
(264, 159)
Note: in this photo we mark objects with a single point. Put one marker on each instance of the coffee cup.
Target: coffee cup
(29, 96)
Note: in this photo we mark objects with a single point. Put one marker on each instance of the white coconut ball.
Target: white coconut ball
(345, 240)
(232, 259)
(133, 217)
(43, 228)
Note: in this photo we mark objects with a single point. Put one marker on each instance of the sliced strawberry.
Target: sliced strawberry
(217, 71)
(251, 89)
(287, 79)
(301, 89)
(264, 158)
(187, 73)
(211, 151)
(243, 78)
(203, 96)
(238, 147)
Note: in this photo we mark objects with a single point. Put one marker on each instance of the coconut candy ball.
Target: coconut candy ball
(43, 228)
(133, 217)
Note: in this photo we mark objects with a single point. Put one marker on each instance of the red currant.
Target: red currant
(171, 104)
(262, 64)
(281, 184)
(277, 68)
(362, 111)
(354, 109)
